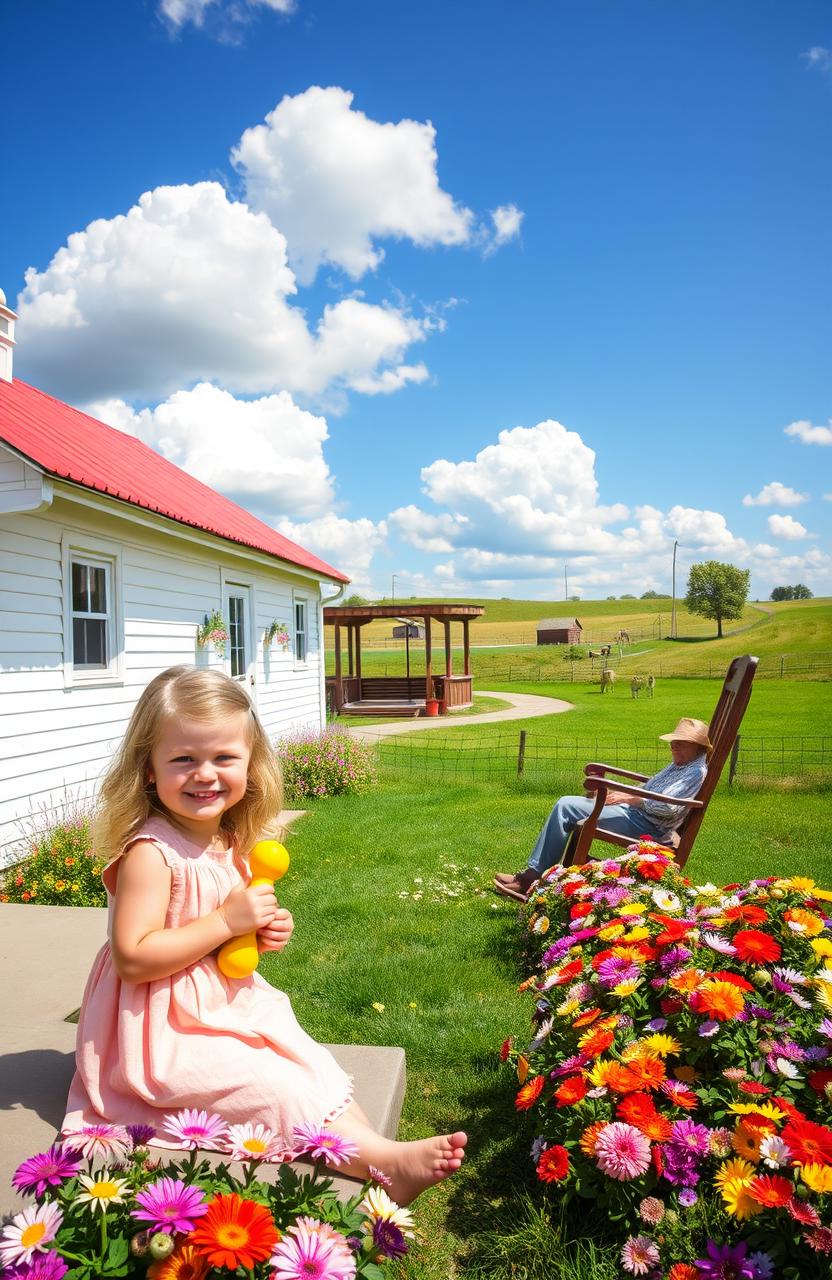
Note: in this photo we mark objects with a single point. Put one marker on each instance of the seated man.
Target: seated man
(625, 814)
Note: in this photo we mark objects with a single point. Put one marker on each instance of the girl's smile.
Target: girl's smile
(200, 770)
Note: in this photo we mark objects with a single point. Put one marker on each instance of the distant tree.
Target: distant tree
(654, 595)
(356, 599)
(783, 593)
(573, 653)
(610, 597)
(574, 597)
(802, 592)
(626, 597)
(717, 590)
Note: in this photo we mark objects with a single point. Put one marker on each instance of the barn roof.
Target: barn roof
(557, 624)
(72, 446)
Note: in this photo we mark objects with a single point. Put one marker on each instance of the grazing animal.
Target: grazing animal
(622, 637)
(608, 680)
(651, 684)
(636, 685)
(603, 652)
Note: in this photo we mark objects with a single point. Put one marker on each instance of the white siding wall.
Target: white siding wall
(55, 741)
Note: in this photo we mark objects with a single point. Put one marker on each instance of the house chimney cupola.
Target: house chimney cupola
(7, 319)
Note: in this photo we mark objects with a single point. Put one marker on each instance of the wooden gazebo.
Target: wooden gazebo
(350, 693)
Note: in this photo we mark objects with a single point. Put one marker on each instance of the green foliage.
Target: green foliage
(654, 595)
(355, 599)
(325, 764)
(797, 592)
(717, 590)
(573, 653)
(59, 867)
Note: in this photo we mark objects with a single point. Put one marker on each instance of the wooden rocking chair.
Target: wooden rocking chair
(722, 731)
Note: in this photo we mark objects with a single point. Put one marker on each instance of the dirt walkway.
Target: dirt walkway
(523, 707)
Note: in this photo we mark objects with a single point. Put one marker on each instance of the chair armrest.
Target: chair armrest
(598, 770)
(600, 784)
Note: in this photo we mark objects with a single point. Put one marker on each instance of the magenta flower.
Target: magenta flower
(378, 1176)
(195, 1128)
(140, 1134)
(109, 1140)
(726, 1262)
(323, 1144)
(639, 1255)
(170, 1205)
(312, 1250)
(622, 1151)
(691, 1136)
(389, 1239)
(44, 1266)
(49, 1169)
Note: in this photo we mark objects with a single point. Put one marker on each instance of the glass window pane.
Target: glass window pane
(89, 642)
(98, 589)
(89, 588)
(80, 588)
(236, 635)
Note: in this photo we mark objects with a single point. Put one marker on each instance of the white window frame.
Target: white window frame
(245, 585)
(302, 602)
(100, 555)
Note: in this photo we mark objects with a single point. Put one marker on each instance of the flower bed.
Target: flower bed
(59, 867)
(680, 1071)
(104, 1207)
(331, 763)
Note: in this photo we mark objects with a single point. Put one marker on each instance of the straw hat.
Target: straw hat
(688, 730)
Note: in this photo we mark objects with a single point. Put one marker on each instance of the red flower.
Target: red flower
(750, 1086)
(725, 975)
(771, 1191)
(568, 972)
(529, 1094)
(819, 1080)
(755, 947)
(651, 870)
(505, 1049)
(580, 909)
(572, 887)
(747, 913)
(670, 1005)
(803, 1212)
(810, 1143)
(570, 1092)
(235, 1233)
(553, 1165)
(790, 1109)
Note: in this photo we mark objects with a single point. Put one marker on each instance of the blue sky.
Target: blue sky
(463, 293)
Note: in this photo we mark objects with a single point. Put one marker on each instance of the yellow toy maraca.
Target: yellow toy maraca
(238, 956)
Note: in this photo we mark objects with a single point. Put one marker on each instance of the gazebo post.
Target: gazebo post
(449, 660)
(428, 673)
(466, 647)
(339, 682)
(358, 657)
(350, 631)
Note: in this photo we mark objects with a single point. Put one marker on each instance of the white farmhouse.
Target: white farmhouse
(110, 560)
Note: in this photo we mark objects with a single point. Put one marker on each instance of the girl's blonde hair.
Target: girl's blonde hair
(125, 798)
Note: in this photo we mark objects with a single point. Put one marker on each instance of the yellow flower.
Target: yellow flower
(821, 946)
(378, 1006)
(610, 931)
(737, 1199)
(735, 1170)
(568, 1007)
(411, 1004)
(661, 1045)
(541, 925)
(628, 953)
(75, 886)
(818, 1177)
(825, 895)
(628, 987)
(766, 1109)
(803, 883)
(632, 909)
(825, 995)
(600, 1072)
(637, 934)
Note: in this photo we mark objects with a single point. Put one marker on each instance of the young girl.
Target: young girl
(193, 786)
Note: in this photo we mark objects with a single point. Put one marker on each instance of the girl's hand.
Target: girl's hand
(247, 910)
(274, 936)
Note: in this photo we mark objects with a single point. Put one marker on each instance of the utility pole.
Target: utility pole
(565, 584)
(673, 589)
(393, 588)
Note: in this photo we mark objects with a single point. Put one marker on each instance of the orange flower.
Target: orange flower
(807, 922)
(590, 1136)
(594, 1042)
(650, 1072)
(186, 1263)
(746, 1143)
(687, 980)
(755, 947)
(771, 1191)
(810, 1143)
(584, 1019)
(722, 999)
(570, 1092)
(621, 1079)
(638, 1110)
(683, 1271)
(529, 1094)
(748, 913)
(235, 1233)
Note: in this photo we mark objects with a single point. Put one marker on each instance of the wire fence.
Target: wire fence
(536, 758)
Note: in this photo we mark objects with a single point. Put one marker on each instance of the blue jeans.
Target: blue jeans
(623, 819)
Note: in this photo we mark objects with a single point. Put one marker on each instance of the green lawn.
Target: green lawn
(407, 868)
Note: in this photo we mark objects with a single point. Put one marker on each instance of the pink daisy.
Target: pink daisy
(323, 1144)
(109, 1140)
(48, 1169)
(312, 1250)
(170, 1205)
(379, 1177)
(639, 1255)
(29, 1233)
(195, 1128)
(253, 1142)
(622, 1151)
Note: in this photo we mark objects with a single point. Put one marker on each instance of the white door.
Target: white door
(241, 647)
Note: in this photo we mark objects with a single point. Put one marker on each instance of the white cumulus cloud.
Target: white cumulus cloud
(179, 13)
(349, 544)
(189, 285)
(787, 527)
(506, 221)
(336, 182)
(265, 454)
(806, 433)
(775, 494)
(819, 57)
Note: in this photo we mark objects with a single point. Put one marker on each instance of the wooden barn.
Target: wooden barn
(111, 561)
(559, 631)
(409, 631)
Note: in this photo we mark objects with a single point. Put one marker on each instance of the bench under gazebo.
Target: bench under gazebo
(351, 693)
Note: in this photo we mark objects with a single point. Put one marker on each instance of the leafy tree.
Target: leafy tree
(802, 592)
(717, 590)
(654, 595)
(782, 593)
(627, 596)
(356, 599)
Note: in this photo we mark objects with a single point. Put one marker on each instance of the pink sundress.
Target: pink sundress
(197, 1038)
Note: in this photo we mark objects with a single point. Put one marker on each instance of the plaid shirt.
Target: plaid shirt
(674, 780)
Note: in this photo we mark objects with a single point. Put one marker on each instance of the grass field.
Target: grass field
(408, 866)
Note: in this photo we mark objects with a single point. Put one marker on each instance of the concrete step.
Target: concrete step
(45, 956)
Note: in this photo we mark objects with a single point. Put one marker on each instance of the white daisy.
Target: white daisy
(28, 1233)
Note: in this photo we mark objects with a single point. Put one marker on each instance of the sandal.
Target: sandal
(506, 891)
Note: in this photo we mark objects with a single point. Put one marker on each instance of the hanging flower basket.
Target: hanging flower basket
(277, 633)
(213, 632)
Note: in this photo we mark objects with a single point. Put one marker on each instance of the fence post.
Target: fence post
(732, 767)
(521, 753)
(781, 665)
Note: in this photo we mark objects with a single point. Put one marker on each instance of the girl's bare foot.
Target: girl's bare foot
(415, 1166)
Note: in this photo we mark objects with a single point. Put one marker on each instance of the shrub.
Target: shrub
(325, 764)
(680, 1071)
(59, 868)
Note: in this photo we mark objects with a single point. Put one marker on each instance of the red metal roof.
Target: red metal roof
(73, 446)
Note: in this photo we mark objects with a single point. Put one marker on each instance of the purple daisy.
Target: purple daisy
(195, 1128)
(691, 1137)
(323, 1144)
(389, 1239)
(141, 1134)
(616, 969)
(679, 1167)
(687, 1197)
(674, 957)
(726, 1262)
(49, 1169)
(170, 1205)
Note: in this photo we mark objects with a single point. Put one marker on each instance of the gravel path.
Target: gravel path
(523, 707)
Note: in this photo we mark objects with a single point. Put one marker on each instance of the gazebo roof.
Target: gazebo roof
(441, 611)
